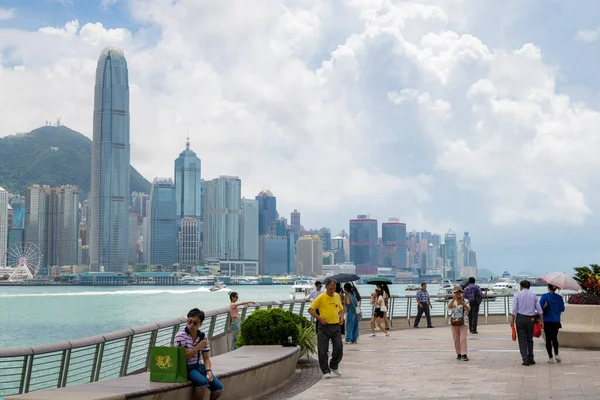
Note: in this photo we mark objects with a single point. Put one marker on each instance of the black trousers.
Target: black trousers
(423, 309)
(551, 333)
(524, 326)
(325, 334)
(473, 316)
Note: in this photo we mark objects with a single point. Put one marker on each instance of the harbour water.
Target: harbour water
(32, 316)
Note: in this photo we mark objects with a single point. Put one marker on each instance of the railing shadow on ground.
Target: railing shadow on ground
(127, 351)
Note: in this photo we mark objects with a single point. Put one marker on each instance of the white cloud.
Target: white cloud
(7, 13)
(588, 35)
(338, 107)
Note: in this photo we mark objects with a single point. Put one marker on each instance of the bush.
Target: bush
(584, 298)
(268, 327)
(307, 340)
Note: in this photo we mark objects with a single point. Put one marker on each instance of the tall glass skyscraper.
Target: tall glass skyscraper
(187, 184)
(364, 245)
(393, 240)
(109, 196)
(450, 253)
(267, 211)
(163, 229)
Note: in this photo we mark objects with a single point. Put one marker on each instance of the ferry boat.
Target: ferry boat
(219, 287)
(505, 286)
(412, 288)
(301, 289)
(197, 280)
(445, 288)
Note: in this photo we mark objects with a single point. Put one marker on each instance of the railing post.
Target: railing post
(391, 311)
(64, 368)
(28, 373)
(23, 373)
(486, 306)
(211, 329)
(126, 354)
(97, 362)
(506, 307)
(408, 310)
(243, 316)
(175, 330)
(292, 307)
(302, 306)
(151, 344)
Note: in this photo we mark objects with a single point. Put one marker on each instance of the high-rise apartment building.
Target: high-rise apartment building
(295, 223)
(393, 242)
(110, 194)
(364, 244)
(3, 225)
(309, 256)
(163, 226)
(188, 198)
(267, 211)
(134, 237)
(325, 235)
(222, 197)
(450, 254)
(249, 230)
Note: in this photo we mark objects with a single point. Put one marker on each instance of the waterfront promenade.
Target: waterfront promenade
(421, 364)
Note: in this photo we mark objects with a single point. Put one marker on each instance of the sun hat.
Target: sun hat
(457, 288)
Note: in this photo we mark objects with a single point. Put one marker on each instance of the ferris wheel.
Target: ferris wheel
(25, 258)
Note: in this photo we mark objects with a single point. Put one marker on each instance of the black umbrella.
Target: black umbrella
(342, 278)
(379, 281)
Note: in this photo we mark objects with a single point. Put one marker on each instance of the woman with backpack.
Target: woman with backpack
(458, 308)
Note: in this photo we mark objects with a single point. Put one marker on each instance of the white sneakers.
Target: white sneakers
(551, 361)
(372, 335)
(558, 359)
(327, 376)
(335, 373)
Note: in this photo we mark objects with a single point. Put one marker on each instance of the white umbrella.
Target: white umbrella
(562, 281)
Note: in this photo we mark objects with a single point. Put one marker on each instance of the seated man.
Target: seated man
(196, 342)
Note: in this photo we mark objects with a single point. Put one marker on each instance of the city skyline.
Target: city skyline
(505, 158)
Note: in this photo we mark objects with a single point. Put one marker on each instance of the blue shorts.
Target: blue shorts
(197, 374)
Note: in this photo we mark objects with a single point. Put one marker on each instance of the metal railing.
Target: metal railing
(127, 351)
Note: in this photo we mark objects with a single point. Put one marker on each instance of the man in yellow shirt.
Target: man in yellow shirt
(330, 318)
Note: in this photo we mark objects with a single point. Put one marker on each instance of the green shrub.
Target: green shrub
(273, 327)
(307, 340)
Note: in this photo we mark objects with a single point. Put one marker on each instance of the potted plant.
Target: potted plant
(581, 319)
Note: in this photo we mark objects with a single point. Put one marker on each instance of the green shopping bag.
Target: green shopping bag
(167, 364)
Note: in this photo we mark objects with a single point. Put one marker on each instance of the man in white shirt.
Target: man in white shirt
(318, 290)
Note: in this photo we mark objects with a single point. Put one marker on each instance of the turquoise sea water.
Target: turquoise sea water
(32, 316)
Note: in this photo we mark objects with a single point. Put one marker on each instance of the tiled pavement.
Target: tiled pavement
(421, 364)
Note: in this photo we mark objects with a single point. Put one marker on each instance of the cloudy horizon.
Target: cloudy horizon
(463, 114)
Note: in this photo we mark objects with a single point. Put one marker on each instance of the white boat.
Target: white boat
(219, 287)
(301, 289)
(197, 280)
(505, 286)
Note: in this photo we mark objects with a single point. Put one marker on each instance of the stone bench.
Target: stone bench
(246, 373)
(580, 327)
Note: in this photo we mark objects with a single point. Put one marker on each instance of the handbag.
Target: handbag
(168, 364)
(458, 321)
(537, 330)
(357, 309)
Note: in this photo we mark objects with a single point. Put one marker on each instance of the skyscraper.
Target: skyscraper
(364, 244)
(222, 198)
(109, 195)
(3, 225)
(163, 227)
(450, 253)
(36, 209)
(18, 207)
(295, 223)
(273, 255)
(249, 230)
(309, 256)
(67, 230)
(393, 241)
(267, 211)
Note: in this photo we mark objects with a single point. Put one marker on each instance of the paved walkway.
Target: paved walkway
(421, 364)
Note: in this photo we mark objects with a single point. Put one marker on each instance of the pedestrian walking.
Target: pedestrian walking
(378, 312)
(353, 313)
(330, 317)
(458, 308)
(526, 311)
(342, 294)
(424, 306)
(386, 300)
(552, 305)
(474, 296)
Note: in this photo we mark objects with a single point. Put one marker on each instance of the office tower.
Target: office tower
(393, 241)
(222, 197)
(450, 254)
(188, 198)
(3, 225)
(364, 244)
(18, 206)
(67, 219)
(109, 195)
(338, 248)
(10, 215)
(295, 223)
(273, 255)
(433, 253)
(134, 237)
(278, 228)
(249, 230)
(267, 211)
(466, 249)
(139, 204)
(309, 256)
(325, 235)
(189, 241)
(36, 203)
(435, 240)
(291, 252)
(163, 227)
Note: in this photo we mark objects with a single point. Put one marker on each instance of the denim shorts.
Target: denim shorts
(197, 374)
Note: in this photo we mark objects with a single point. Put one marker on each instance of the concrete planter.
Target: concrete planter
(580, 327)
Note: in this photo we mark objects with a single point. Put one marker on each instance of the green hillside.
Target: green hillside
(52, 156)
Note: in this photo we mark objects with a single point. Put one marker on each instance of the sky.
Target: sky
(475, 115)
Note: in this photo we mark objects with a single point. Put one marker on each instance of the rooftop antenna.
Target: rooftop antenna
(187, 143)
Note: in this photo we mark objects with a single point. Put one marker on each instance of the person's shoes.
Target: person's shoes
(531, 362)
(416, 327)
(558, 359)
(372, 335)
(327, 376)
(465, 358)
(430, 326)
(387, 334)
(526, 363)
(458, 356)
(335, 373)
(475, 333)
(551, 361)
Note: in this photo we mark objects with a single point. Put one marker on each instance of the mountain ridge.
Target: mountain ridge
(54, 156)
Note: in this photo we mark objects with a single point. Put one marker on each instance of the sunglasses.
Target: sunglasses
(193, 323)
